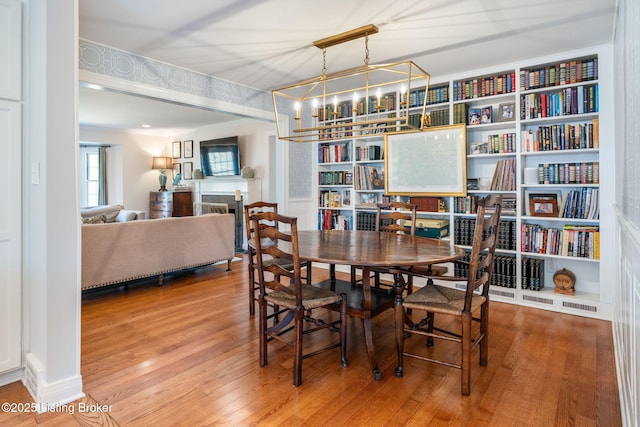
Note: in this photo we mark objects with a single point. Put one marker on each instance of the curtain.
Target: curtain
(103, 196)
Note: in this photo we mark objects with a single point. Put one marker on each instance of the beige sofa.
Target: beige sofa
(109, 213)
(121, 251)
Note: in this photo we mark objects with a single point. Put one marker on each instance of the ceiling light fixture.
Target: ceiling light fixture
(353, 103)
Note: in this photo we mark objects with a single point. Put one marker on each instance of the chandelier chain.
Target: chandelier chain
(366, 50)
(324, 61)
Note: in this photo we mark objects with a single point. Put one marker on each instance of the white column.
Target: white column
(51, 215)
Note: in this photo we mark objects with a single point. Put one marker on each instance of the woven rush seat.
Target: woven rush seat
(441, 299)
(312, 297)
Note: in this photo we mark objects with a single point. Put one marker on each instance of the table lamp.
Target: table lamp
(162, 163)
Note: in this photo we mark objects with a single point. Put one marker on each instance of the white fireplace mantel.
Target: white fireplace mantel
(250, 188)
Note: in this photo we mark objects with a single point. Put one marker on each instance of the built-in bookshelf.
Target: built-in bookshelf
(533, 134)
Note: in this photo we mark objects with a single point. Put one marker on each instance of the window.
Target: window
(90, 176)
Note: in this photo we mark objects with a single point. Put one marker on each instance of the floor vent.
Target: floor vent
(502, 293)
(582, 307)
(537, 299)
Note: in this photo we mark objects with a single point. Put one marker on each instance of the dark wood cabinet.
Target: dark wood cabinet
(163, 204)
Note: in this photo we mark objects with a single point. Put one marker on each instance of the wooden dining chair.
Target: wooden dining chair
(254, 286)
(393, 217)
(300, 300)
(445, 300)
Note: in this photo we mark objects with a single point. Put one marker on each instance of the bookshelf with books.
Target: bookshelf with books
(560, 162)
(534, 132)
(335, 182)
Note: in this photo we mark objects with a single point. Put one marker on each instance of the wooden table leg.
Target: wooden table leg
(366, 323)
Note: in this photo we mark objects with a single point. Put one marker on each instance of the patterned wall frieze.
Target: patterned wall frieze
(108, 61)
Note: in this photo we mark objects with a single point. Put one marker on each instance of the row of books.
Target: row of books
(334, 220)
(504, 176)
(484, 86)
(582, 204)
(415, 120)
(504, 271)
(559, 74)
(532, 273)
(469, 205)
(562, 136)
(495, 144)
(369, 152)
(335, 178)
(439, 117)
(571, 241)
(464, 232)
(569, 173)
(437, 95)
(334, 153)
(330, 199)
(572, 100)
(366, 221)
(368, 177)
(416, 98)
(460, 113)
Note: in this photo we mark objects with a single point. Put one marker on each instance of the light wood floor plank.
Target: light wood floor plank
(186, 353)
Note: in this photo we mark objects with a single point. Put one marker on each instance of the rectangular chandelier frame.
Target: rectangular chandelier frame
(353, 103)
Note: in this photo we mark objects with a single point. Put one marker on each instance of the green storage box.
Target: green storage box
(434, 228)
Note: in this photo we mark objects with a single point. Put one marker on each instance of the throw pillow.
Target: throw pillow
(126, 215)
(98, 219)
(111, 216)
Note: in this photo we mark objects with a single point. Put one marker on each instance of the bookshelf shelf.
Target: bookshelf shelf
(514, 142)
(560, 257)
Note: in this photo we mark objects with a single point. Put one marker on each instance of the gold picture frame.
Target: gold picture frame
(430, 162)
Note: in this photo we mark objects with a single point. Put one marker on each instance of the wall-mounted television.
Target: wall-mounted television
(220, 157)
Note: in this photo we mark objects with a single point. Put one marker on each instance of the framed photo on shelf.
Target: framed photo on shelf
(176, 149)
(485, 115)
(479, 148)
(474, 116)
(542, 204)
(431, 162)
(188, 149)
(187, 170)
(505, 112)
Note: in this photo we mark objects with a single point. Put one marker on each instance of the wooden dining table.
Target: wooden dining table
(367, 250)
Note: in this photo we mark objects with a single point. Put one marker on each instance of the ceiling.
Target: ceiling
(266, 44)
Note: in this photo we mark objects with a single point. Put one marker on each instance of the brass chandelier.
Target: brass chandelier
(353, 103)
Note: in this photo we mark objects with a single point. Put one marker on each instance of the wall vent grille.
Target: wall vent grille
(583, 307)
(537, 299)
(502, 293)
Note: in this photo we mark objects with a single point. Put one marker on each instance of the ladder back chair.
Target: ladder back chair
(298, 299)
(254, 286)
(393, 217)
(465, 304)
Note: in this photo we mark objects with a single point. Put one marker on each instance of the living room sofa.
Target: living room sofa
(109, 213)
(121, 251)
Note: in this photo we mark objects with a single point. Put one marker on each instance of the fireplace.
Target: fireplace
(236, 208)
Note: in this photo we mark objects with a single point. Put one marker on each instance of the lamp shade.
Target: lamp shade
(162, 163)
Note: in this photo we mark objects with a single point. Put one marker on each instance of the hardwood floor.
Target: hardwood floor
(186, 354)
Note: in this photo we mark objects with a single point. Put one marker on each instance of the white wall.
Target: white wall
(130, 177)
(626, 322)
(253, 140)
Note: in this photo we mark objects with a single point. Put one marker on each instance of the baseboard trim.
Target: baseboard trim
(50, 396)
(11, 376)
